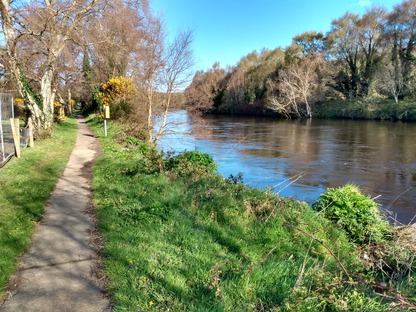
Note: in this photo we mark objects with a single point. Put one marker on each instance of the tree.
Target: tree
(401, 33)
(246, 83)
(151, 64)
(205, 88)
(310, 43)
(298, 87)
(342, 44)
(112, 45)
(372, 43)
(45, 27)
(177, 61)
(114, 40)
(12, 60)
(358, 44)
(389, 81)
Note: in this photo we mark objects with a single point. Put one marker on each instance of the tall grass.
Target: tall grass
(181, 238)
(26, 184)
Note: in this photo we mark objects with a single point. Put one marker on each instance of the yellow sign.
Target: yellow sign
(107, 112)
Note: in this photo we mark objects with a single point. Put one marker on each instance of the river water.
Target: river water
(302, 158)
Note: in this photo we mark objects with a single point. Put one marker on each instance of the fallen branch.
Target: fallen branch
(322, 244)
(400, 299)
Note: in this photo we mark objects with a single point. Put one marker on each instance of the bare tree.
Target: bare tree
(115, 40)
(177, 61)
(389, 81)
(298, 87)
(46, 26)
(12, 60)
(150, 66)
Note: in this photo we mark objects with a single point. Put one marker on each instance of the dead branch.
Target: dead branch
(322, 244)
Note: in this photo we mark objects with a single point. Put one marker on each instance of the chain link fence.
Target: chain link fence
(6, 134)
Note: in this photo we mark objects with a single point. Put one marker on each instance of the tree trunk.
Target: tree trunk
(12, 61)
(48, 97)
(68, 111)
(150, 114)
(165, 117)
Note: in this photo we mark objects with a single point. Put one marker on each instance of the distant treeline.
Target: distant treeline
(363, 59)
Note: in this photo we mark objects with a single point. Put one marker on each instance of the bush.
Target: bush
(357, 214)
(118, 93)
(190, 163)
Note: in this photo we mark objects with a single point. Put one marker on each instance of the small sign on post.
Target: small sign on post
(106, 109)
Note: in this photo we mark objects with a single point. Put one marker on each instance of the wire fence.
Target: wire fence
(6, 134)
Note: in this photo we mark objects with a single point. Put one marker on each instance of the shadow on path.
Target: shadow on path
(57, 273)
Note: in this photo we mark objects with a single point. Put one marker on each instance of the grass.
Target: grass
(185, 239)
(26, 184)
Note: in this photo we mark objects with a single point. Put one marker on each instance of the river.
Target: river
(302, 158)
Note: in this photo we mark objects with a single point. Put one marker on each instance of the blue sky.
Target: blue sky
(226, 30)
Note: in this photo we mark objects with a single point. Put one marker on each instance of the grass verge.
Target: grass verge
(179, 237)
(26, 184)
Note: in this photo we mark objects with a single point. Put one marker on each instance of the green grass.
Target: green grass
(26, 184)
(185, 239)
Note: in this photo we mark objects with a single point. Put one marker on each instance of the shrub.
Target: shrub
(189, 163)
(118, 93)
(357, 214)
(58, 112)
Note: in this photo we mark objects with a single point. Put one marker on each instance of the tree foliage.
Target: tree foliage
(360, 57)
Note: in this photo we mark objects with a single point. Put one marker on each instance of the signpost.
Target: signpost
(106, 109)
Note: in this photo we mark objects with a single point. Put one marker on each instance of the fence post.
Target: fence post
(31, 142)
(15, 125)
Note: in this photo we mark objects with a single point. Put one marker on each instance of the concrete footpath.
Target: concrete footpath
(59, 271)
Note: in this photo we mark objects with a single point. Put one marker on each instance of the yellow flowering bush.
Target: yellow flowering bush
(118, 93)
(58, 112)
(19, 102)
(116, 88)
(20, 109)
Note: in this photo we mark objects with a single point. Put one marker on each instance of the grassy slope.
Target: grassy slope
(196, 242)
(26, 184)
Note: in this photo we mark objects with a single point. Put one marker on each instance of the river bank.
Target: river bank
(302, 158)
(180, 237)
(366, 109)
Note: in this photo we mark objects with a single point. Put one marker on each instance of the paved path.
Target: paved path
(57, 272)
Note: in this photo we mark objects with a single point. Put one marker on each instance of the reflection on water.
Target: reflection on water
(301, 158)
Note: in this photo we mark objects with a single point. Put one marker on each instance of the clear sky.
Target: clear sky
(226, 30)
